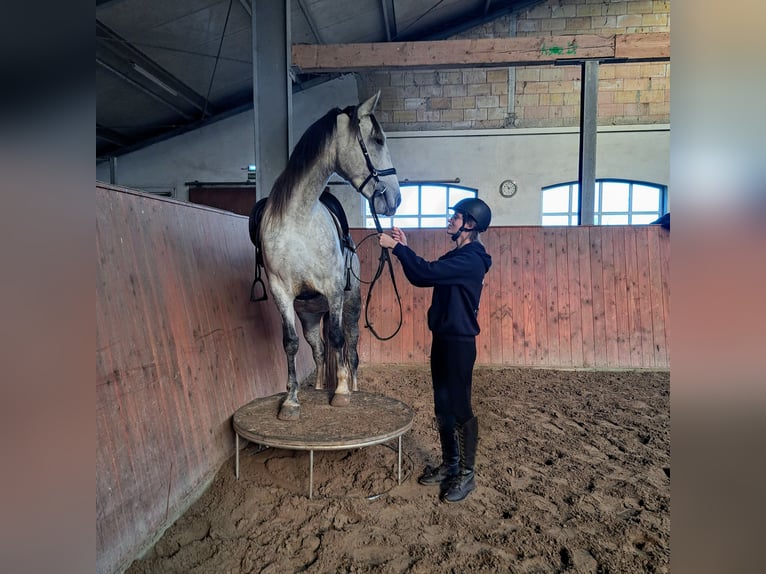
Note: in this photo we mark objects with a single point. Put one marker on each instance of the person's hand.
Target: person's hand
(399, 235)
(387, 241)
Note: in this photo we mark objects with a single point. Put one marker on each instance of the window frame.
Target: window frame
(572, 215)
(399, 219)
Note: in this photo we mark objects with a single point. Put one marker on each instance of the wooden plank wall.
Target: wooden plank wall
(590, 297)
(179, 348)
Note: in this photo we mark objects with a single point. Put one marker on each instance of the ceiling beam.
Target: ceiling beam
(142, 88)
(134, 65)
(111, 136)
(390, 24)
(525, 51)
(246, 7)
(643, 46)
(310, 21)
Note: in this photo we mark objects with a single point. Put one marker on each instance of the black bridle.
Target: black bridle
(384, 256)
(374, 173)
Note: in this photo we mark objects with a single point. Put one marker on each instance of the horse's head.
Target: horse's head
(364, 159)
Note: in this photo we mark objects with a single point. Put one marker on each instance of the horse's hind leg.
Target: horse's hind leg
(337, 341)
(290, 408)
(312, 331)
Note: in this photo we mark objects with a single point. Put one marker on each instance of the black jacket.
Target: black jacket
(457, 278)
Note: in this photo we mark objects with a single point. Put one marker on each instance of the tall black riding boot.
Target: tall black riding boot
(450, 455)
(463, 483)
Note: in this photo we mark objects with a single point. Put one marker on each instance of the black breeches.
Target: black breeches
(452, 375)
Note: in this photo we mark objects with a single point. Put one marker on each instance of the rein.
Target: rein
(384, 255)
(382, 260)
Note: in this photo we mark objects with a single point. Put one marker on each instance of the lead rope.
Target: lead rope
(384, 257)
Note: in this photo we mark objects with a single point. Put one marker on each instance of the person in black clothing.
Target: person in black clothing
(457, 278)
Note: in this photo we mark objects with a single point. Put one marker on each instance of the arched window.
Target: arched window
(617, 202)
(423, 205)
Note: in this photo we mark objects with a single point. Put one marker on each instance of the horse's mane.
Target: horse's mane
(311, 145)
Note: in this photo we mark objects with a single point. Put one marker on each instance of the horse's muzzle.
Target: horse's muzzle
(386, 200)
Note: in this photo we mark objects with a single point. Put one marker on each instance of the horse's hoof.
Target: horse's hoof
(289, 413)
(341, 400)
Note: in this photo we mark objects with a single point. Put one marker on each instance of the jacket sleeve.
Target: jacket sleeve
(422, 273)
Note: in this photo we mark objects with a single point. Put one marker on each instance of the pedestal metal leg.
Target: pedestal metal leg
(236, 455)
(399, 475)
(311, 473)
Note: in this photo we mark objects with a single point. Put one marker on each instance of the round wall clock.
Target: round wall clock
(508, 188)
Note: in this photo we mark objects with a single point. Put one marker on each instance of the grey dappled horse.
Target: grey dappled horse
(306, 265)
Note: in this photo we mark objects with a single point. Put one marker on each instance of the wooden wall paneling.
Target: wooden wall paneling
(575, 308)
(528, 274)
(611, 331)
(564, 310)
(586, 296)
(645, 295)
(238, 199)
(634, 314)
(484, 317)
(551, 297)
(417, 319)
(412, 315)
(494, 303)
(407, 341)
(621, 296)
(533, 325)
(655, 282)
(517, 275)
(542, 357)
(555, 296)
(505, 296)
(664, 264)
(601, 358)
(179, 349)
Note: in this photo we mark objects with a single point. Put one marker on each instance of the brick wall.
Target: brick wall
(542, 96)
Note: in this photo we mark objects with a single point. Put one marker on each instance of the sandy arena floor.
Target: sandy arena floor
(573, 475)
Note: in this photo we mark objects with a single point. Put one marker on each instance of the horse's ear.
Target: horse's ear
(366, 108)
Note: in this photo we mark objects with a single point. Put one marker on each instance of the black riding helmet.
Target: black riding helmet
(477, 209)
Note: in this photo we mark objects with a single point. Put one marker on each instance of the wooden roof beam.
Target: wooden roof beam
(524, 51)
(654, 46)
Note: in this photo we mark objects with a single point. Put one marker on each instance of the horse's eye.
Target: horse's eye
(379, 140)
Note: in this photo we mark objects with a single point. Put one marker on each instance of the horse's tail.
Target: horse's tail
(254, 225)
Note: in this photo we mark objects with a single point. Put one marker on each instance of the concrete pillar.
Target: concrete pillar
(588, 128)
(272, 91)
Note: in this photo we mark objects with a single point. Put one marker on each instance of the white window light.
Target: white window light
(616, 202)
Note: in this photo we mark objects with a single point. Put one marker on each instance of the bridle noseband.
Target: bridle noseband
(374, 173)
